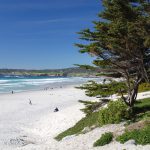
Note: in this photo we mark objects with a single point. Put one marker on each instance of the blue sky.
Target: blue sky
(40, 34)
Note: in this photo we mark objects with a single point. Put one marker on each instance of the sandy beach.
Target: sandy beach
(33, 127)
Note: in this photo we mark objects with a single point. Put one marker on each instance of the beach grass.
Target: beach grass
(141, 111)
(143, 87)
(87, 121)
(105, 138)
(141, 136)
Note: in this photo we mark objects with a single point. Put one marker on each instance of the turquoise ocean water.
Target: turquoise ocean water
(25, 83)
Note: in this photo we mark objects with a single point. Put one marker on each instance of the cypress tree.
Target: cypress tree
(120, 41)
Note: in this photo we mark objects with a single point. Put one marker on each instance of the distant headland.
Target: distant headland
(74, 71)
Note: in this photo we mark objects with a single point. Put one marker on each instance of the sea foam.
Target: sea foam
(24, 83)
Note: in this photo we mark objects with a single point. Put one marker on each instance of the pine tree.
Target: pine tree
(121, 42)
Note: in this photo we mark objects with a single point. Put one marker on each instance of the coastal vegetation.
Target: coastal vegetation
(104, 139)
(120, 42)
(88, 121)
(103, 90)
(141, 136)
(115, 112)
(91, 121)
(144, 87)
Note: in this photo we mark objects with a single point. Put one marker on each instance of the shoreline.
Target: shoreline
(45, 87)
(22, 124)
(31, 86)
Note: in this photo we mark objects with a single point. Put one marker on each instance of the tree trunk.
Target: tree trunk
(131, 98)
(132, 93)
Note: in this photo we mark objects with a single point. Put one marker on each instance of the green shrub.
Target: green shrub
(144, 87)
(141, 110)
(141, 136)
(91, 106)
(115, 112)
(104, 139)
(94, 89)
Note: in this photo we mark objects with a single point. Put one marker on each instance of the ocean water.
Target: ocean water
(25, 83)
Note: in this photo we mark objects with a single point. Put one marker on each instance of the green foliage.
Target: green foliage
(115, 112)
(88, 121)
(103, 63)
(120, 42)
(121, 28)
(90, 107)
(143, 103)
(103, 90)
(104, 139)
(144, 87)
(141, 136)
(87, 67)
(110, 74)
(141, 110)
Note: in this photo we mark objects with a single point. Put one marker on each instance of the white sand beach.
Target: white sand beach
(33, 127)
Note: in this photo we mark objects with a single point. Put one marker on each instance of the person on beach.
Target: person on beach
(12, 92)
(104, 81)
(56, 109)
(30, 102)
